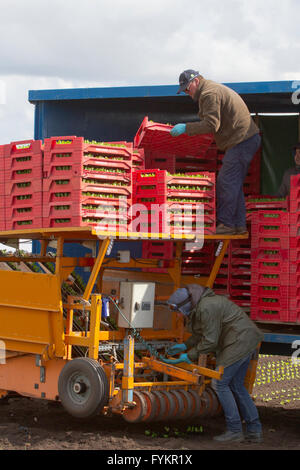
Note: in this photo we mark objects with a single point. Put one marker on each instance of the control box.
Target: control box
(136, 304)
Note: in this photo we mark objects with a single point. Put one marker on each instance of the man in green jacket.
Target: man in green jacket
(224, 114)
(221, 327)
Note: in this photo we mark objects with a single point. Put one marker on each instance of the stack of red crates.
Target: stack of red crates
(86, 183)
(239, 273)
(294, 249)
(2, 187)
(22, 166)
(270, 265)
(179, 197)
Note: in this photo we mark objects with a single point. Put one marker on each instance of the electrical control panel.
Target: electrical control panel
(136, 304)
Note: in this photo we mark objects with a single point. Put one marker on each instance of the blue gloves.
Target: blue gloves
(182, 358)
(177, 348)
(178, 130)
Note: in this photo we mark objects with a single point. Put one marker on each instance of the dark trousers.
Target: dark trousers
(231, 210)
(235, 399)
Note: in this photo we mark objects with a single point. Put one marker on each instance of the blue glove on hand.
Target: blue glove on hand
(177, 348)
(182, 358)
(178, 130)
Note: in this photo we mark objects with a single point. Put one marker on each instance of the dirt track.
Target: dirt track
(36, 424)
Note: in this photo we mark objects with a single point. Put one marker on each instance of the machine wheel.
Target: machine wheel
(216, 407)
(139, 411)
(179, 404)
(197, 403)
(170, 403)
(161, 405)
(188, 404)
(152, 406)
(83, 387)
(205, 404)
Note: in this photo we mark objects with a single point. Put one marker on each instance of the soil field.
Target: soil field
(30, 424)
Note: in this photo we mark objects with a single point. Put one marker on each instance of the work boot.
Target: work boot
(224, 230)
(241, 230)
(254, 437)
(230, 436)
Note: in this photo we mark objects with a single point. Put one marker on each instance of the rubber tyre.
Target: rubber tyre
(92, 378)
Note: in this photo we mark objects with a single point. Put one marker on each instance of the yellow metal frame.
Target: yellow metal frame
(31, 309)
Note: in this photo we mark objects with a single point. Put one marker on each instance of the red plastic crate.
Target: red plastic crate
(80, 221)
(71, 150)
(156, 136)
(186, 164)
(270, 254)
(264, 277)
(78, 184)
(294, 198)
(274, 314)
(270, 224)
(266, 202)
(267, 266)
(163, 250)
(258, 241)
(25, 154)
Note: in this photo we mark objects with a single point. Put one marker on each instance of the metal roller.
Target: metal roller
(152, 406)
(188, 404)
(205, 404)
(171, 405)
(161, 405)
(197, 404)
(137, 413)
(179, 404)
(216, 408)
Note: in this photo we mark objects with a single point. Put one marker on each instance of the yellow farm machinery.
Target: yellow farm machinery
(111, 363)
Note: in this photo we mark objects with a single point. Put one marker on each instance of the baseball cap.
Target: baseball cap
(185, 78)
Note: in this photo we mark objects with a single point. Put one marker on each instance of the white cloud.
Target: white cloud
(70, 43)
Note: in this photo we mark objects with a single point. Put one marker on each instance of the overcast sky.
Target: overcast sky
(49, 44)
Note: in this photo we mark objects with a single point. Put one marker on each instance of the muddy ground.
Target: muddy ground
(30, 424)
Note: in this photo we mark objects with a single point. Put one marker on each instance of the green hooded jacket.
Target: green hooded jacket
(221, 327)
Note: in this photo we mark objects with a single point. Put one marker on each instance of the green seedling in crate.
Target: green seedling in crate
(24, 222)
(24, 196)
(102, 157)
(105, 144)
(60, 182)
(24, 209)
(62, 208)
(24, 185)
(63, 168)
(63, 155)
(23, 159)
(101, 169)
(62, 194)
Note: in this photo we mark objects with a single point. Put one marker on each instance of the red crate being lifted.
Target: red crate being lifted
(156, 136)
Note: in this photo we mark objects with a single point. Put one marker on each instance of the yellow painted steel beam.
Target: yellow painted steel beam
(128, 370)
(96, 269)
(167, 384)
(172, 370)
(213, 374)
(217, 264)
(95, 317)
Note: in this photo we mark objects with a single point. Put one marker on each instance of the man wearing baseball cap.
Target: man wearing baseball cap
(224, 114)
